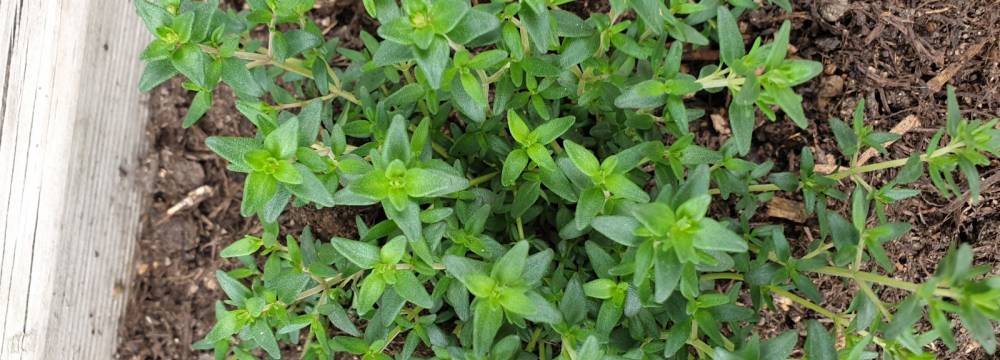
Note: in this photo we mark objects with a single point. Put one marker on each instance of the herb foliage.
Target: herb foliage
(544, 197)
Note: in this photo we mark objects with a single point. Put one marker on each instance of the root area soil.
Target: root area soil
(894, 53)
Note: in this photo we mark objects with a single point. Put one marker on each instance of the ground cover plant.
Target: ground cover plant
(542, 193)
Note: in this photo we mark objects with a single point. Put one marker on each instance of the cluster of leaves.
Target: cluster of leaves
(543, 194)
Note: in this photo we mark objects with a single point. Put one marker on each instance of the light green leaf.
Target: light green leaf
(819, 344)
(199, 106)
(261, 333)
(242, 247)
(372, 288)
(508, 268)
(591, 203)
(713, 236)
(515, 163)
(283, 141)
(190, 61)
(362, 254)
(552, 129)
(541, 156)
(486, 321)
(582, 158)
(155, 73)
(257, 192)
(409, 288)
(433, 183)
(731, 47)
(621, 229)
(434, 60)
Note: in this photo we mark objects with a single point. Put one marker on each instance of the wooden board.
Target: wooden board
(70, 139)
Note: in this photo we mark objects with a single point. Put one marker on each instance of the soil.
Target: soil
(885, 51)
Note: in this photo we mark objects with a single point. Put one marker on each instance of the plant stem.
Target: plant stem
(722, 276)
(880, 279)
(482, 179)
(520, 229)
(837, 318)
(848, 172)
(290, 65)
(702, 347)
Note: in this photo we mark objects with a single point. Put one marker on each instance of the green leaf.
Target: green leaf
(372, 288)
(907, 313)
(646, 94)
(433, 183)
(481, 285)
(514, 300)
(283, 141)
(261, 333)
(779, 347)
(397, 141)
(237, 76)
(582, 158)
(393, 251)
(409, 288)
(538, 67)
(199, 106)
(257, 192)
(954, 115)
(847, 141)
(298, 41)
(651, 13)
(513, 166)
(471, 85)
(242, 247)
(462, 268)
(475, 24)
(553, 129)
(233, 149)
(666, 275)
(537, 23)
(518, 129)
(235, 290)
(433, 61)
(621, 229)
(791, 104)
(226, 325)
(591, 203)
(623, 187)
(541, 156)
(447, 14)
(390, 52)
(715, 236)
(508, 268)
(190, 61)
(153, 16)
(486, 321)
(779, 48)
(362, 254)
(742, 121)
(600, 288)
(731, 47)
(155, 73)
(980, 327)
(819, 344)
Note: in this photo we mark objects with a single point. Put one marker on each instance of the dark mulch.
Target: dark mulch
(884, 51)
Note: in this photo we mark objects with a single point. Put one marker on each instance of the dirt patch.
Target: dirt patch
(884, 51)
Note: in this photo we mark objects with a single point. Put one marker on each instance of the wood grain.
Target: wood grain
(71, 135)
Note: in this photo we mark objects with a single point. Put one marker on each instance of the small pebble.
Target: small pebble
(833, 10)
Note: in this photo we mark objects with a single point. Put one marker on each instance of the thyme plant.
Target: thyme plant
(544, 196)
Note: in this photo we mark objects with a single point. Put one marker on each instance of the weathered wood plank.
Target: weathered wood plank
(71, 132)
